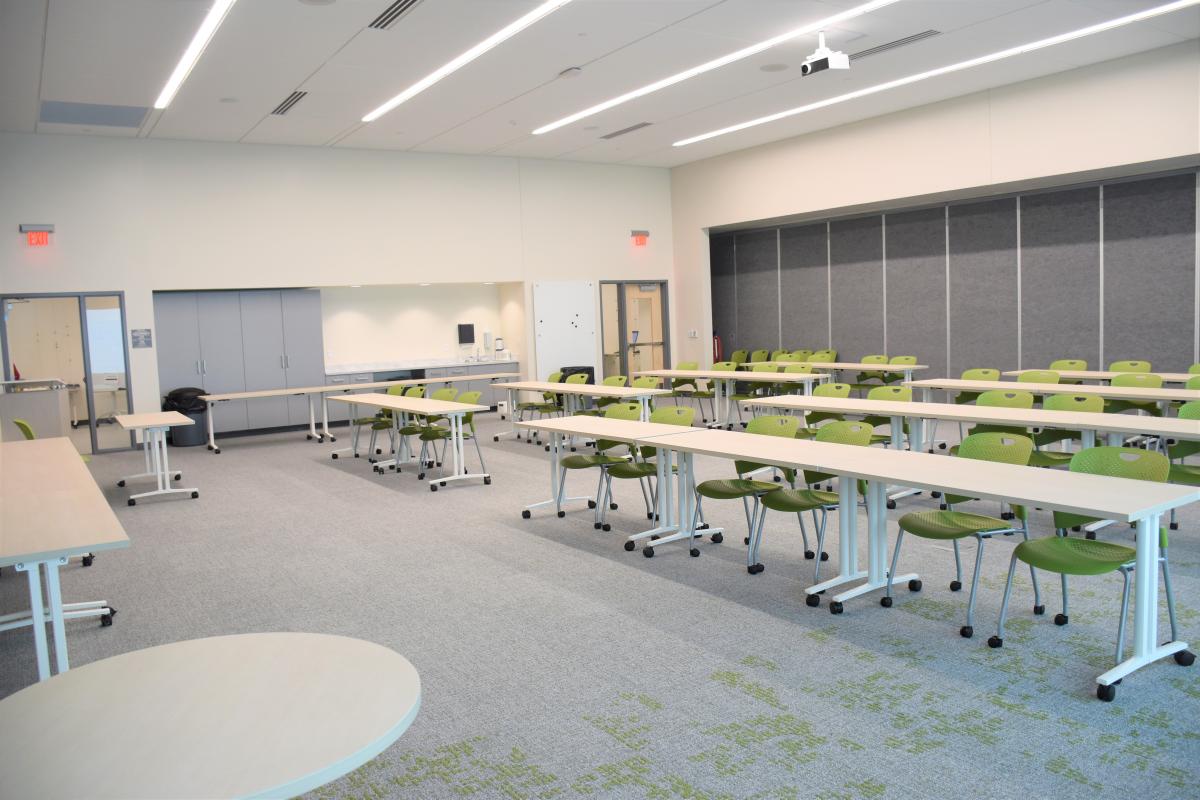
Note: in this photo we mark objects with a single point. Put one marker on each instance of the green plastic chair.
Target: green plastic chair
(778, 354)
(864, 378)
(759, 355)
(382, 421)
(576, 378)
(1001, 398)
(1072, 556)
(431, 434)
(1140, 380)
(975, 374)
(797, 500)
(749, 391)
(795, 388)
(605, 455)
(823, 357)
(898, 361)
(601, 402)
(641, 468)
(1085, 403)
(784, 357)
(1069, 364)
(548, 406)
(738, 356)
(1129, 366)
(900, 394)
(952, 525)
(741, 488)
(802, 355)
(1194, 369)
(1038, 376)
(1177, 451)
(838, 390)
(1192, 383)
(26, 429)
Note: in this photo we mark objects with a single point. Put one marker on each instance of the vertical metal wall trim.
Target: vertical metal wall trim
(779, 284)
(1020, 354)
(1100, 260)
(947, 226)
(734, 338)
(828, 288)
(1196, 313)
(883, 237)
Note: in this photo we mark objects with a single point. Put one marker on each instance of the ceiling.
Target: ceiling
(116, 54)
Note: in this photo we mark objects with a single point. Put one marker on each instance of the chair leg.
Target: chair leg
(968, 631)
(803, 534)
(749, 518)
(998, 639)
(1038, 608)
(891, 572)
(598, 502)
(479, 452)
(957, 567)
(1125, 573)
(820, 546)
(1166, 571)
(756, 534)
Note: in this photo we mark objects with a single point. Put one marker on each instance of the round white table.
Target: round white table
(253, 715)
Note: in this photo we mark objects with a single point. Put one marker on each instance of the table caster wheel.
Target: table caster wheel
(941, 506)
(525, 514)
(433, 487)
(694, 552)
(1184, 658)
(441, 483)
(87, 562)
(132, 502)
(495, 438)
(195, 495)
(955, 586)
(334, 456)
(1039, 610)
(420, 476)
(717, 537)
(746, 540)
(777, 479)
(333, 438)
(885, 601)
(378, 452)
(1106, 693)
(547, 448)
(1174, 526)
(629, 547)
(966, 631)
(120, 483)
(891, 504)
(649, 515)
(824, 556)
(487, 481)
(308, 436)
(562, 514)
(914, 585)
(753, 569)
(591, 503)
(941, 446)
(648, 552)
(935, 495)
(1089, 535)
(106, 619)
(178, 476)
(835, 607)
(596, 526)
(809, 555)
(995, 642)
(1061, 619)
(217, 452)
(606, 527)
(612, 506)
(812, 600)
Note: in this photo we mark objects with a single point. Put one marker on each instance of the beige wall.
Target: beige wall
(1144, 108)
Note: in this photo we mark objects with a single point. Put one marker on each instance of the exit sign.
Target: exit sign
(37, 238)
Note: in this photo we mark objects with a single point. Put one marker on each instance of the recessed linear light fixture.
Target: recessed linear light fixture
(212, 21)
(497, 38)
(717, 63)
(962, 65)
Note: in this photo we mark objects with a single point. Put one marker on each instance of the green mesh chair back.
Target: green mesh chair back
(1003, 398)
(871, 374)
(685, 384)
(764, 368)
(857, 434)
(1140, 380)
(903, 361)
(901, 394)
(1087, 403)
(876, 359)
(738, 356)
(1183, 449)
(785, 357)
(626, 411)
(776, 354)
(551, 397)
(804, 368)
(725, 366)
(555, 377)
(1038, 376)
(998, 446)
(673, 415)
(647, 382)
(1073, 364)
(577, 378)
(1115, 462)
(25, 428)
(822, 357)
(759, 355)
(611, 380)
(832, 390)
(1129, 366)
(978, 374)
(447, 394)
(767, 426)
(415, 391)
(396, 391)
(1137, 380)
(470, 398)
(801, 355)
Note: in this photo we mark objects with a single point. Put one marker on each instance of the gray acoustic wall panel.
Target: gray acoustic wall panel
(916, 286)
(804, 286)
(856, 281)
(1060, 277)
(1149, 271)
(983, 285)
(724, 291)
(758, 290)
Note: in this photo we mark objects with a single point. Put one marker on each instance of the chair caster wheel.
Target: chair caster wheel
(107, 619)
(941, 506)
(87, 562)
(562, 514)
(595, 526)
(525, 514)
(132, 502)
(812, 600)
(966, 631)
(1090, 535)
(914, 585)
(392, 467)
(754, 569)
(195, 495)
(809, 555)
(824, 556)
(1076, 528)
(120, 483)
(649, 516)
(717, 537)
(886, 602)
(942, 446)
(694, 552)
(1061, 619)
(891, 504)
(378, 452)
(777, 479)
(746, 540)
(995, 642)
(420, 476)
(648, 552)
(835, 607)
(703, 526)
(612, 506)
(335, 456)
(487, 481)
(308, 436)
(630, 547)
(1039, 610)
(606, 527)
(1185, 658)
(547, 448)
(495, 438)
(591, 503)
(1106, 693)
(433, 487)
(955, 586)
(935, 495)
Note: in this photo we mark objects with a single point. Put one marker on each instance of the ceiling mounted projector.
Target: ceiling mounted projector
(824, 58)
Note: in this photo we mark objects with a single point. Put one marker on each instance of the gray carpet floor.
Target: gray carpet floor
(556, 665)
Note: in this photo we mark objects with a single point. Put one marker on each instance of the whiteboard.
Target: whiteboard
(564, 325)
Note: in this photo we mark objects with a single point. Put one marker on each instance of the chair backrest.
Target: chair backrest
(1115, 462)
(471, 398)
(679, 383)
(832, 390)
(779, 353)
(1129, 366)
(614, 380)
(725, 366)
(899, 393)
(785, 356)
(805, 368)
(1004, 448)
(842, 432)
(673, 415)
(555, 377)
(1193, 383)
(1038, 376)
(876, 359)
(1068, 363)
(1005, 398)
(647, 382)
(396, 390)
(415, 391)
(577, 378)
(25, 428)
(1190, 410)
(626, 411)
(822, 357)
(903, 361)
(1194, 369)
(770, 425)
(1141, 380)
(981, 374)
(1089, 403)
(1184, 448)
(803, 354)
(764, 368)
(759, 355)
(447, 394)
(737, 356)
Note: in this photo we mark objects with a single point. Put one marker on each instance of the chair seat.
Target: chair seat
(1071, 556)
(950, 524)
(381, 424)
(366, 421)
(632, 470)
(536, 406)
(799, 499)
(432, 434)
(1187, 474)
(733, 488)
(588, 461)
(1050, 458)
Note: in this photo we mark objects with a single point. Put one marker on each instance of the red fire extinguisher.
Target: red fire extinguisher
(718, 350)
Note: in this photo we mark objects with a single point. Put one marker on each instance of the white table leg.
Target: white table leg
(352, 412)
(644, 413)
(54, 596)
(38, 614)
(1115, 439)
(212, 438)
(1088, 439)
(1146, 649)
(847, 539)
(312, 420)
(156, 445)
(556, 499)
(897, 426)
(458, 445)
(325, 418)
(877, 560)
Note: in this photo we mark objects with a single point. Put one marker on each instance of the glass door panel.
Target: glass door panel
(645, 340)
(610, 328)
(106, 376)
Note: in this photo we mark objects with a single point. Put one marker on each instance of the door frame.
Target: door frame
(81, 302)
(622, 336)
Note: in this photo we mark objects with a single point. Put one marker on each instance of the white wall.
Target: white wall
(140, 215)
(1140, 109)
(44, 340)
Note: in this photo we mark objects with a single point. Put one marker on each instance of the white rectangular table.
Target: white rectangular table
(1164, 397)
(404, 407)
(572, 395)
(154, 444)
(1099, 374)
(724, 382)
(50, 510)
(905, 370)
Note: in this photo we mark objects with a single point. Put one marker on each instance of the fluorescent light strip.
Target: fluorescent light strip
(499, 37)
(717, 63)
(212, 21)
(962, 65)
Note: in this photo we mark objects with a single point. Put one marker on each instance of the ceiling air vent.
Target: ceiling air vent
(907, 40)
(288, 103)
(624, 131)
(393, 13)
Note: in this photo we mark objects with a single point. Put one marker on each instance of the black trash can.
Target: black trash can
(187, 402)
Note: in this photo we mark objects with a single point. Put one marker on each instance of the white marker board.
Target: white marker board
(564, 325)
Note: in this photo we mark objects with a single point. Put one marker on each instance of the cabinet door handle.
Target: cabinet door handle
(287, 361)
(281, 362)
(197, 366)
(203, 367)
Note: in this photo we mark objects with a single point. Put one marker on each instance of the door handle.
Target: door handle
(287, 361)
(203, 367)
(281, 362)
(197, 366)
